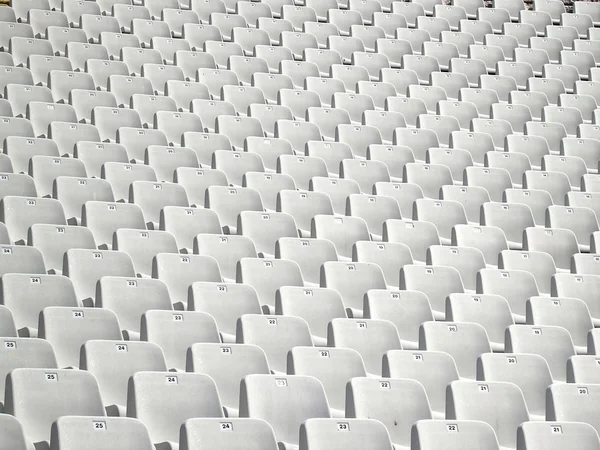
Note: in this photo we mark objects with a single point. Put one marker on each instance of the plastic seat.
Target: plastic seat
(468, 400)
(412, 365)
(132, 357)
(333, 153)
(116, 294)
(537, 435)
(430, 177)
(395, 156)
(303, 206)
(301, 168)
(218, 199)
(180, 272)
(314, 433)
(338, 190)
(276, 335)
(471, 197)
(430, 210)
(108, 121)
(515, 163)
(556, 183)
(309, 254)
(367, 399)
(476, 143)
(253, 271)
(105, 263)
(560, 403)
(28, 295)
(190, 327)
(546, 240)
(206, 358)
(495, 367)
(297, 388)
(36, 417)
(490, 311)
(268, 185)
(352, 281)
(53, 241)
(470, 338)
(445, 279)
(418, 236)
(534, 147)
(379, 91)
(324, 306)
(410, 108)
(582, 226)
(569, 313)
(178, 394)
(390, 256)
(572, 286)
(257, 434)
(20, 259)
(145, 194)
(490, 240)
(39, 210)
(253, 224)
(538, 339)
(539, 264)
(427, 434)
(452, 84)
(13, 29)
(67, 329)
(405, 309)
(516, 286)
(121, 175)
(227, 250)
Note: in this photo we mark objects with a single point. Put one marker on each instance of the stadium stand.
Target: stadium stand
(299, 224)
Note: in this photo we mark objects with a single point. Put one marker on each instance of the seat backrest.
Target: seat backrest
(119, 433)
(160, 327)
(37, 397)
(276, 335)
(283, 401)
(473, 400)
(321, 434)
(255, 434)
(68, 328)
(433, 369)
(380, 399)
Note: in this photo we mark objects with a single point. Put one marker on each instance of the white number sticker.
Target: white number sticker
(78, 314)
(511, 359)
(35, 280)
(272, 321)
(483, 388)
(418, 357)
(131, 283)
(452, 328)
(452, 427)
(121, 347)
(280, 382)
(324, 353)
(537, 331)
(362, 324)
(582, 390)
(226, 350)
(51, 376)
(178, 317)
(99, 425)
(10, 345)
(343, 426)
(556, 429)
(385, 385)
(226, 426)
(171, 380)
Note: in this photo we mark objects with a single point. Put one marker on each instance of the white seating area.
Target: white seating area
(299, 225)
